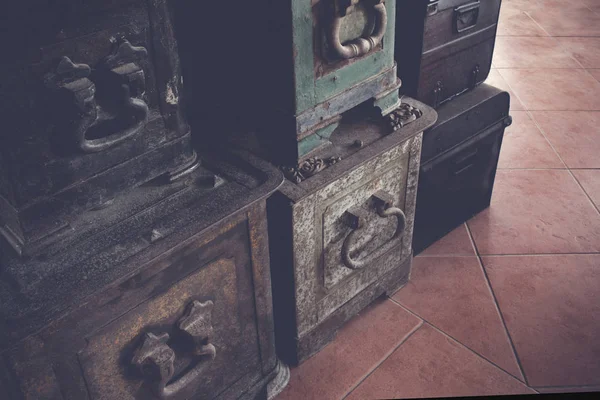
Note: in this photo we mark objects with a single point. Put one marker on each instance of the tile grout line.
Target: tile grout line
(584, 191)
(597, 208)
(541, 130)
(512, 91)
(385, 357)
(537, 23)
(489, 283)
(456, 340)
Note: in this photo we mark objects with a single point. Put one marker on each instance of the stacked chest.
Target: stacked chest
(459, 161)
(341, 235)
(444, 47)
(94, 111)
(177, 305)
(291, 69)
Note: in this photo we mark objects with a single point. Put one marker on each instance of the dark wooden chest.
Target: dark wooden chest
(444, 47)
(287, 69)
(458, 162)
(341, 229)
(91, 109)
(172, 303)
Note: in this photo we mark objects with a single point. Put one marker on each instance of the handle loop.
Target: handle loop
(360, 46)
(355, 218)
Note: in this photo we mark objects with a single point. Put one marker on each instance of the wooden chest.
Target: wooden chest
(287, 69)
(174, 305)
(342, 237)
(91, 93)
(458, 162)
(444, 47)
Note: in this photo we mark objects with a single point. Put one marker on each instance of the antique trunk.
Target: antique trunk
(287, 69)
(91, 93)
(170, 304)
(444, 47)
(458, 162)
(341, 226)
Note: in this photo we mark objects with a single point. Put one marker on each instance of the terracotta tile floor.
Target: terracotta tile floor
(509, 302)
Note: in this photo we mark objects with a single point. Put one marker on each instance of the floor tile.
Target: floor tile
(358, 348)
(589, 179)
(429, 364)
(521, 5)
(574, 134)
(577, 389)
(456, 243)
(551, 306)
(452, 294)
(537, 212)
(595, 73)
(554, 89)
(531, 52)
(567, 19)
(514, 22)
(593, 5)
(558, 5)
(524, 146)
(496, 80)
(586, 50)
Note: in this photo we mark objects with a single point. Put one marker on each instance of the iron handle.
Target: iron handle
(136, 110)
(123, 73)
(156, 359)
(355, 219)
(360, 46)
(432, 8)
(466, 16)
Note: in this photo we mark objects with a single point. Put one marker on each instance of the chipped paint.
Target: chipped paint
(172, 96)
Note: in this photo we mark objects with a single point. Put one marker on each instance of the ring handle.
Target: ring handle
(122, 72)
(360, 46)
(156, 359)
(355, 218)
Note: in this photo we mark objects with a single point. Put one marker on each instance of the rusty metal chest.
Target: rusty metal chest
(175, 304)
(289, 69)
(92, 99)
(342, 237)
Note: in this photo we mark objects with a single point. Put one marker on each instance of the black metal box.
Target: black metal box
(444, 47)
(91, 108)
(458, 162)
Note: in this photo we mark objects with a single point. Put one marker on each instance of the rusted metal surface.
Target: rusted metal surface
(218, 256)
(94, 92)
(327, 271)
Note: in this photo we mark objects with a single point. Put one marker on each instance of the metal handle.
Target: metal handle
(355, 218)
(156, 359)
(129, 81)
(135, 110)
(466, 16)
(360, 46)
(475, 76)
